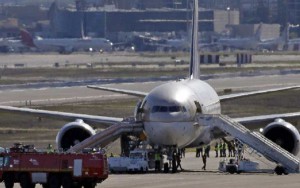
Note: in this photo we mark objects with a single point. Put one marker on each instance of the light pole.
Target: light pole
(228, 12)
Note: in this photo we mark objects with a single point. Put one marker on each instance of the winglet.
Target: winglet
(194, 59)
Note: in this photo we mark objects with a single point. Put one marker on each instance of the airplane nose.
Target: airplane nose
(171, 134)
(159, 133)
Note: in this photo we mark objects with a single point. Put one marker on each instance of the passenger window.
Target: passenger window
(163, 109)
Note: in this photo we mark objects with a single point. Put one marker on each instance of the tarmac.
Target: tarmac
(194, 177)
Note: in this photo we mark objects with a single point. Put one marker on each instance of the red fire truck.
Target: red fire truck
(25, 165)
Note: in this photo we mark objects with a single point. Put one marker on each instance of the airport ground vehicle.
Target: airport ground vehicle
(139, 160)
(234, 166)
(28, 167)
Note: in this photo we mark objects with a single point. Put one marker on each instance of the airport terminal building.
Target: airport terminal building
(100, 23)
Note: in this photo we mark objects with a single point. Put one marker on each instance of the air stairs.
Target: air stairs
(255, 140)
(103, 138)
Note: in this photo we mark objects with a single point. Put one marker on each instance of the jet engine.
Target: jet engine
(284, 134)
(73, 133)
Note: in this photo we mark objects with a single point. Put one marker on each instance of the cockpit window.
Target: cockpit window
(174, 108)
(168, 109)
(155, 109)
(163, 109)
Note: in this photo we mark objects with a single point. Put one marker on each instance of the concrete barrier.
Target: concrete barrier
(209, 59)
(243, 58)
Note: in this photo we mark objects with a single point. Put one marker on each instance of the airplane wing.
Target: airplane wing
(123, 91)
(255, 122)
(252, 93)
(222, 98)
(62, 115)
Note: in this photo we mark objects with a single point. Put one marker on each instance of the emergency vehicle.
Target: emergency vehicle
(25, 165)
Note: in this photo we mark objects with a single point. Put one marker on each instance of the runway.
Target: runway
(21, 97)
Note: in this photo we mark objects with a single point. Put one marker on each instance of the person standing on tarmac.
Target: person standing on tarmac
(178, 160)
(204, 161)
(207, 150)
(157, 162)
(224, 149)
(221, 149)
(199, 152)
(216, 149)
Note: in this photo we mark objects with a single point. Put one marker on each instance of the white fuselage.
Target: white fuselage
(169, 112)
(74, 43)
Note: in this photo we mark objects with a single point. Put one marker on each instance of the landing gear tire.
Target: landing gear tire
(54, 182)
(166, 168)
(279, 170)
(9, 180)
(25, 181)
(66, 181)
(89, 185)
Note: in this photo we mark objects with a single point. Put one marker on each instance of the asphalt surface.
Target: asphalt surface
(194, 177)
(20, 97)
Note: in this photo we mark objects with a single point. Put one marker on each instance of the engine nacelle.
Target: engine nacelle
(73, 133)
(284, 134)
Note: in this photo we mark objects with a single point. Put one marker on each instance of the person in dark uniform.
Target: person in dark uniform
(217, 149)
(224, 149)
(178, 160)
(204, 161)
(221, 149)
(199, 152)
(206, 150)
(174, 159)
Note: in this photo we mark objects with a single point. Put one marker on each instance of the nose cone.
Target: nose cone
(169, 103)
(172, 134)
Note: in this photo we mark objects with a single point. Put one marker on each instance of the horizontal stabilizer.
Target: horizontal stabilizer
(122, 91)
(252, 93)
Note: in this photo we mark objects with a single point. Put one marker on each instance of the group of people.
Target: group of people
(203, 150)
(223, 149)
(220, 149)
(176, 160)
(233, 148)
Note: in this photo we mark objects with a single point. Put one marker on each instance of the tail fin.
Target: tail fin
(287, 33)
(194, 61)
(27, 38)
(283, 38)
(258, 32)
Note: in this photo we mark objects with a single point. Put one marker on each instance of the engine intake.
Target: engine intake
(73, 133)
(284, 134)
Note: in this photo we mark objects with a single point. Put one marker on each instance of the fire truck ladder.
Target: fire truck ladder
(254, 140)
(103, 138)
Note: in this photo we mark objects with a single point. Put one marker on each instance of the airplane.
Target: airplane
(278, 43)
(11, 45)
(167, 113)
(66, 45)
(294, 43)
(248, 43)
